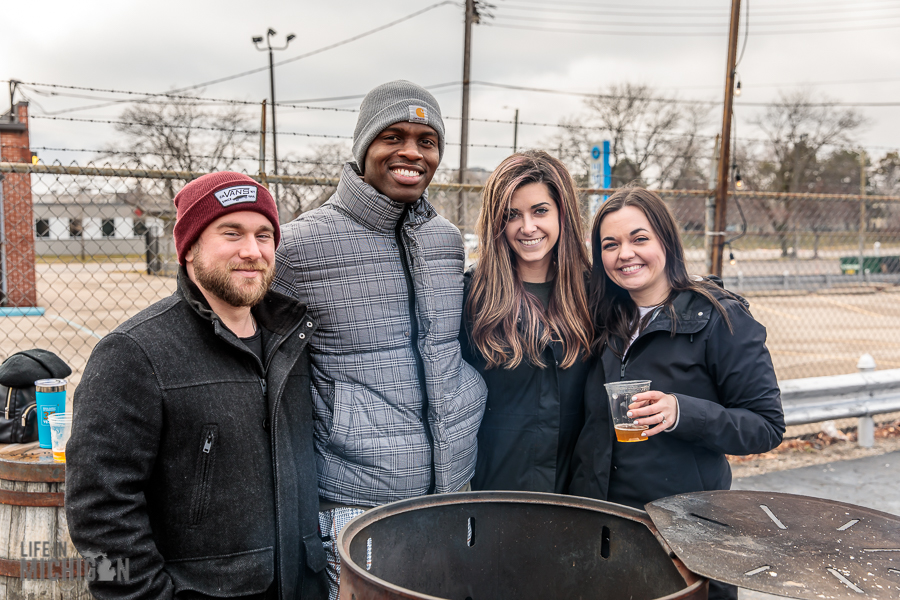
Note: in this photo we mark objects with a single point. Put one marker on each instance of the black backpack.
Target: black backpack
(18, 411)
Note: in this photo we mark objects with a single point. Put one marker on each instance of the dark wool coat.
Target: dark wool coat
(193, 460)
(531, 421)
(728, 399)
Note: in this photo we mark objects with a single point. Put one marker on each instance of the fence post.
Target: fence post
(154, 265)
(865, 429)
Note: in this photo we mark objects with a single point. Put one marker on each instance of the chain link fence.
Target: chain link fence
(103, 251)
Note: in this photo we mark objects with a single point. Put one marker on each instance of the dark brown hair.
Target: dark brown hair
(506, 320)
(613, 311)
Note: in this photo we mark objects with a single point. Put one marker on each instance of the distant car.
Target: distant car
(470, 243)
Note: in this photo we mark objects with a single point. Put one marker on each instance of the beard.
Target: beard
(217, 280)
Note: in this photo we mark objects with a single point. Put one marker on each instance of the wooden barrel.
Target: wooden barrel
(36, 554)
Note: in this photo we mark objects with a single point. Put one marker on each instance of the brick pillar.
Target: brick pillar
(18, 216)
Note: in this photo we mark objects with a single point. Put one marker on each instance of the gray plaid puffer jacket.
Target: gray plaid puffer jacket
(344, 261)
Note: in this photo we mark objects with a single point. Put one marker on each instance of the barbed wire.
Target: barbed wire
(254, 159)
(30, 87)
(235, 130)
(146, 173)
(568, 126)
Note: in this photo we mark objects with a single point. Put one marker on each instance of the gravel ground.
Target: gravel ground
(814, 449)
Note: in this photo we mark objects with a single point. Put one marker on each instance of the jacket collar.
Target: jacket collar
(372, 209)
(276, 312)
(693, 312)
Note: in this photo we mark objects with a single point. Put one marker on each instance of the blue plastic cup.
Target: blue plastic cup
(50, 396)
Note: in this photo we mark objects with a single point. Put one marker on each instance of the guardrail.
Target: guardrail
(790, 281)
(862, 395)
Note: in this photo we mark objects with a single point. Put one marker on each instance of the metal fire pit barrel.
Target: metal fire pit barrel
(509, 545)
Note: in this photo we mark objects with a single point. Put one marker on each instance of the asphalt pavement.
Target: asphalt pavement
(873, 482)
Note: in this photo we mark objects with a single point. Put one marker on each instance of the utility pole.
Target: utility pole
(471, 17)
(718, 234)
(708, 244)
(257, 41)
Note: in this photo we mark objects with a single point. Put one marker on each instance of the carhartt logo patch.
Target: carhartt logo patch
(418, 114)
(236, 195)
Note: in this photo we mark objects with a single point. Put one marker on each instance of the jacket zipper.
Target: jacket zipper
(201, 498)
(26, 411)
(8, 403)
(414, 340)
(209, 442)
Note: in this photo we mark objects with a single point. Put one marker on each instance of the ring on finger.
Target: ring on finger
(664, 420)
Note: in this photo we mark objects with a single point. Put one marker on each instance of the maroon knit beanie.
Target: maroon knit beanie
(207, 198)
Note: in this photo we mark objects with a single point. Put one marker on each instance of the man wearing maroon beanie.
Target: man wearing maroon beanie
(191, 457)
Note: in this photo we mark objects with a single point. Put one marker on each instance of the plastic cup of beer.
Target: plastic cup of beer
(60, 430)
(620, 394)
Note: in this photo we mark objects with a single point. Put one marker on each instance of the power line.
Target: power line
(686, 33)
(280, 63)
(357, 96)
(655, 7)
(689, 25)
(710, 14)
(319, 50)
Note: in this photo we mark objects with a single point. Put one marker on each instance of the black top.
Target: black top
(541, 290)
(531, 421)
(255, 344)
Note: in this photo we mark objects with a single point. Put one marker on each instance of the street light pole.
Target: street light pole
(257, 41)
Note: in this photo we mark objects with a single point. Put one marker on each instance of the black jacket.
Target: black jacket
(195, 462)
(531, 421)
(728, 398)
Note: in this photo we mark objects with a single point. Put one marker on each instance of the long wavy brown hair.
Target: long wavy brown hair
(508, 324)
(613, 311)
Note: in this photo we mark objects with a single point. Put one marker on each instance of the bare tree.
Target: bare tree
(325, 162)
(183, 135)
(797, 130)
(886, 178)
(653, 139)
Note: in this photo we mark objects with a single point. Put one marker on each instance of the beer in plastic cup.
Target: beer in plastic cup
(620, 394)
(60, 430)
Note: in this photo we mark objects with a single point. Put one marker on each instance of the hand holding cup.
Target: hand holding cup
(654, 411)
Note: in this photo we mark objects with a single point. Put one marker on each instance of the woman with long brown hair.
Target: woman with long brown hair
(526, 325)
(713, 389)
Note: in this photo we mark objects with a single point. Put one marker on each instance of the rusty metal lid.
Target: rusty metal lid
(784, 544)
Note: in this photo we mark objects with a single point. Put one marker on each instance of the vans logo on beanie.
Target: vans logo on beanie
(236, 195)
(418, 114)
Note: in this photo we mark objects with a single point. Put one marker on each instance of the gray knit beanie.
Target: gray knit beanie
(391, 103)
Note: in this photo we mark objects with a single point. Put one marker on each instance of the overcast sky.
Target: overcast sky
(846, 51)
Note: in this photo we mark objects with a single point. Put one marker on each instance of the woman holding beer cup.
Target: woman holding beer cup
(526, 325)
(713, 390)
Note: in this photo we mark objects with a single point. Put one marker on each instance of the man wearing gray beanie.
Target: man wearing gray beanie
(397, 409)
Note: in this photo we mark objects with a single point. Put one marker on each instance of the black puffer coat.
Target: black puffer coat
(728, 399)
(193, 460)
(531, 421)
